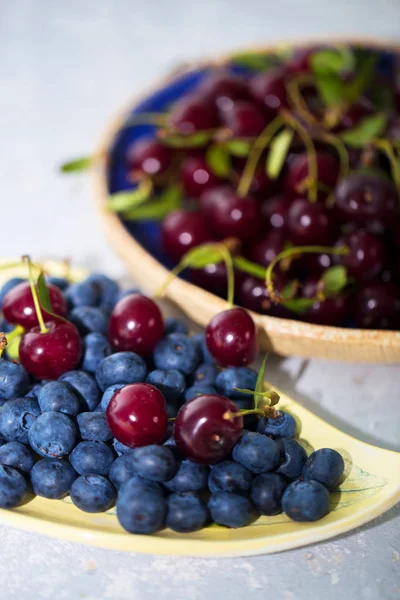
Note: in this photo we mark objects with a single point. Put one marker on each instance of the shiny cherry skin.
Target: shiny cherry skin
(231, 216)
(310, 223)
(254, 295)
(136, 324)
(190, 114)
(231, 338)
(222, 88)
(366, 255)
(137, 415)
(182, 230)
(19, 309)
(269, 89)
(244, 119)
(149, 157)
(313, 265)
(275, 211)
(49, 355)
(328, 171)
(358, 111)
(332, 311)
(196, 176)
(378, 306)
(207, 427)
(214, 279)
(261, 184)
(265, 250)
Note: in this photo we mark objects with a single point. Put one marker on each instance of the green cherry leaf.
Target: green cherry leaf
(260, 381)
(335, 60)
(200, 138)
(44, 295)
(78, 164)
(367, 130)
(364, 70)
(299, 305)
(334, 280)
(203, 255)
(236, 147)
(218, 160)
(129, 199)
(254, 61)
(278, 151)
(156, 209)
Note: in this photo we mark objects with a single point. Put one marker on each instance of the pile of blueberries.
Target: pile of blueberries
(56, 440)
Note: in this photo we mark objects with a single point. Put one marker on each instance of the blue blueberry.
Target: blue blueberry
(236, 377)
(177, 351)
(82, 294)
(293, 457)
(89, 319)
(108, 394)
(59, 282)
(173, 325)
(230, 510)
(17, 417)
(326, 466)
(95, 347)
(190, 477)
(141, 507)
(92, 458)
(267, 491)
(52, 435)
(122, 469)
(17, 455)
(60, 397)
(93, 426)
(107, 290)
(121, 367)
(128, 292)
(156, 463)
(205, 374)
(52, 478)
(14, 380)
(283, 426)
(171, 383)
(34, 391)
(200, 341)
(199, 390)
(6, 327)
(120, 448)
(85, 386)
(9, 285)
(13, 487)
(256, 452)
(92, 493)
(185, 512)
(230, 476)
(305, 501)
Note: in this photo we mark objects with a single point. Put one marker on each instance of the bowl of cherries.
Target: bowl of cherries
(270, 179)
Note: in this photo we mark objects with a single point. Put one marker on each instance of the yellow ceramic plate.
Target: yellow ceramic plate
(371, 487)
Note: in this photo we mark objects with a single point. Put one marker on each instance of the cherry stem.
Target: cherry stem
(255, 154)
(3, 343)
(249, 267)
(16, 332)
(266, 411)
(294, 251)
(340, 148)
(43, 328)
(294, 86)
(230, 274)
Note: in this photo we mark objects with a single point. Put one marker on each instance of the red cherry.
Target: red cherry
(310, 223)
(378, 306)
(19, 309)
(137, 415)
(298, 171)
(254, 295)
(150, 157)
(205, 429)
(136, 324)
(231, 338)
(366, 255)
(244, 119)
(213, 278)
(196, 176)
(275, 211)
(300, 62)
(265, 250)
(182, 230)
(49, 355)
(269, 88)
(189, 115)
(358, 111)
(222, 88)
(229, 215)
(333, 311)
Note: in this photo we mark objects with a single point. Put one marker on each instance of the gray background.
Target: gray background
(65, 68)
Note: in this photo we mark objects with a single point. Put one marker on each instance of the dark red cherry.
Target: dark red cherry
(207, 428)
(300, 62)
(222, 89)
(358, 111)
(393, 129)
(261, 184)
(254, 295)
(310, 224)
(150, 157)
(378, 306)
(137, 415)
(244, 119)
(332, 311)
(265, 250)
(19, 309)
(231, 338)
(314, 264)
(275, 211)
(366, 255)
(196, 176)
(190, 114)
(269, 89)
(49, 355)
(136, 324)
(229, 215)
(298, 171)
(182, 230)
(213, 278)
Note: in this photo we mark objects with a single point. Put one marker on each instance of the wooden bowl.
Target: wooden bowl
(282, 336)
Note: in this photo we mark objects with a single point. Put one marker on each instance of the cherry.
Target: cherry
(182, 230)
(393, 129)
(275, 211)
(332, 311)
(213, 278)
(261, 184)
(231, 338)
(268, 88)
(48, 355)
(244, 119)
(366, 255)
(298, 171)
(230, 215)
(310, 223)
(254, 295)
(314, 264)
(207, 428)
(19, 309)
(299, 62)
(358, 111)
(378, 306)
(190, 114)
(222, 88)
(196, 176)
(137, 415)
(148, 156)
(135, 324)
(265, 250)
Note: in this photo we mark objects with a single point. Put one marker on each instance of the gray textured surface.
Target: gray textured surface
(65, 68)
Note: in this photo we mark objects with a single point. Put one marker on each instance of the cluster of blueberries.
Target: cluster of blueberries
(55, 440)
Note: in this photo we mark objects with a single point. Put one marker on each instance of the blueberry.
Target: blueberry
(199, 390)
(231, 510)
(156, 463)
(9, 285)
(267, 492)
(305, 501)
(52, 478)
(120, 448)
(205, 375)
(108, 394)
(172, 411)
(200, 342)
(6, 327)
(16, 418)
(293, 456)
(13, 487)
(236, 377)
(173, 325)
(122, 367)
(14, 380)
(229, 476)
(171, 383)
(85, 386)
(141, 507)
(59, 396)
(92, 458)
(17, 455)
(122, 469)
(256, 452)
(185, 512)
(92, 493)
(93, 426)
(59, 282)
(88, 319)
(34, 391)
(96, 347)
(107, 290)
(283, 426)
(190, 477)
(52, 435)
(177, 351)
(82, 294)
(123, 293)
(326, 466)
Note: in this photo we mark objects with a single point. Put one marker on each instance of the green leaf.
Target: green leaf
(127, 200)
(78, 164)
(203, 255)
(367, 130)
(330, 87)
(218, 159)
(170, 199)
(249, 267)
(290, 290)
(299, 305)
(44, 295)
(364, 69)
(238, 147)
(277, 154)
(335, 60)
(254, 60)
(334, 280)
(200, 138)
